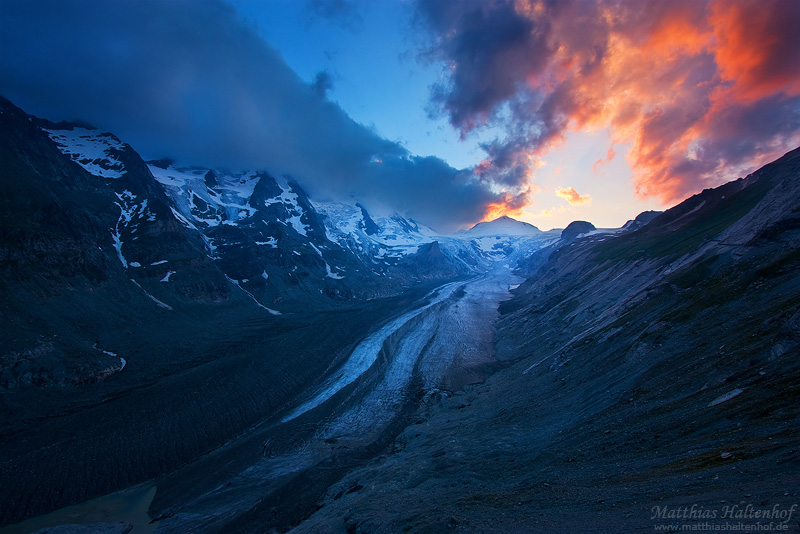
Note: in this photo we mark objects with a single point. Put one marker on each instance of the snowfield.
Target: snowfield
(91, 149)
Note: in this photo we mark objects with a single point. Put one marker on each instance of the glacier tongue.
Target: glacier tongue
(366, 353)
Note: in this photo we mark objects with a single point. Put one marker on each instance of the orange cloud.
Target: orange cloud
(701, 90)
(498, 209)
(757, 46)
(610, 155)
(509, 205)
(482, 167)
(573, 197)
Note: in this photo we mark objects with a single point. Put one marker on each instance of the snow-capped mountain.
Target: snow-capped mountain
(261, 231)
(503, 226)
(254, 211)
(181, 232)
(506, 239)
(154, 249)
(267, 235)
(380, 238)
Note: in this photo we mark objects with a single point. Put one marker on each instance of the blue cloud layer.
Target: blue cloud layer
(188, 79)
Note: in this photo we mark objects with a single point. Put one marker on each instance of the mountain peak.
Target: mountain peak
(503, 225)
(576, 228)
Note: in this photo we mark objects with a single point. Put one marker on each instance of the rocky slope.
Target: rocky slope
(654, 368)
(83, 257)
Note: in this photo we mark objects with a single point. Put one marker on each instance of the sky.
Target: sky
(448, 111)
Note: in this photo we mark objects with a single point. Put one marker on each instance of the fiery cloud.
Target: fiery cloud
(573, 197)
(702, 90)
(752, 48)
(511, 205)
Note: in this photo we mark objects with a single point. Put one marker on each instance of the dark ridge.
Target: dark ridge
(575, 228)
(369, 225)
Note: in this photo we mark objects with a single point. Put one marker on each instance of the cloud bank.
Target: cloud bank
(701, 89)
(188, 79)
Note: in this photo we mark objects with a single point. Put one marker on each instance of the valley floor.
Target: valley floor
(414, 351)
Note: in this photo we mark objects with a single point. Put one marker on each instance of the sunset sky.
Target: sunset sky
(449, 111)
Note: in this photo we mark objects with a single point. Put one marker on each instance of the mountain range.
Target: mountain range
(157, 316)
(87, 222)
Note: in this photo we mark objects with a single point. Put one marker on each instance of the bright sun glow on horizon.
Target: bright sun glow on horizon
(581, 163)
(589, 164)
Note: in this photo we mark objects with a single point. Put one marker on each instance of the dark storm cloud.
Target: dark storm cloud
(484, 43)
(188, 80)
(428, 185)
(700, 89)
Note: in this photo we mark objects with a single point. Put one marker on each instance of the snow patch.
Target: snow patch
(237, 284)
(126, 212)
(289, 199)
(115, 235)
(91, 149)
(226, 204)
(298, 225)
(158, 302)
(183, 219)
(166, 277)
(728, 396)
(271, 241)
(318, 251)
(332, 274)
